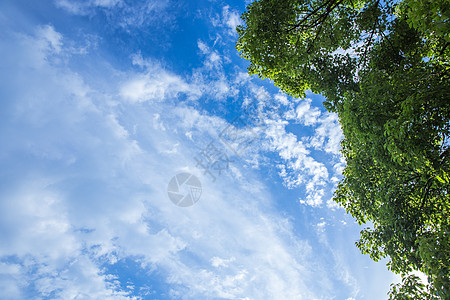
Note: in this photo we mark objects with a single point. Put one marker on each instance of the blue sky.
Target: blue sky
(103, 102)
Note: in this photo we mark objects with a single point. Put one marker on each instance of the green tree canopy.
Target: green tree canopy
(383, 66)
(321, 45)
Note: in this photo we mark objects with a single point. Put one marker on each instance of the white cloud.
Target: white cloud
(41, 237)
(228, 20)
(11, 280)
(231, 19)
(327, 130)
(49, 38)
(210, 78)
(156, 84)
(300, 167)
(93, 192)
(213, 59)
(242, 78)
(146, 12)
(306, 114)
(156, 87)
(203, 47)
(328, 134)
(321, 226)
(219, 262)
(82, 279)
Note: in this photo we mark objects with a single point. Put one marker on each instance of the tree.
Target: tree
(383, 66)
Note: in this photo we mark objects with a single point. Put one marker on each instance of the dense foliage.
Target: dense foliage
(383, 66)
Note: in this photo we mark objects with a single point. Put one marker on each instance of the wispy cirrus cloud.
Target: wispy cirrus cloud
(84, 7)
(229, 20)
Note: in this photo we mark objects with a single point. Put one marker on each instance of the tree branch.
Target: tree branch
(371, 33)
(330, 5)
